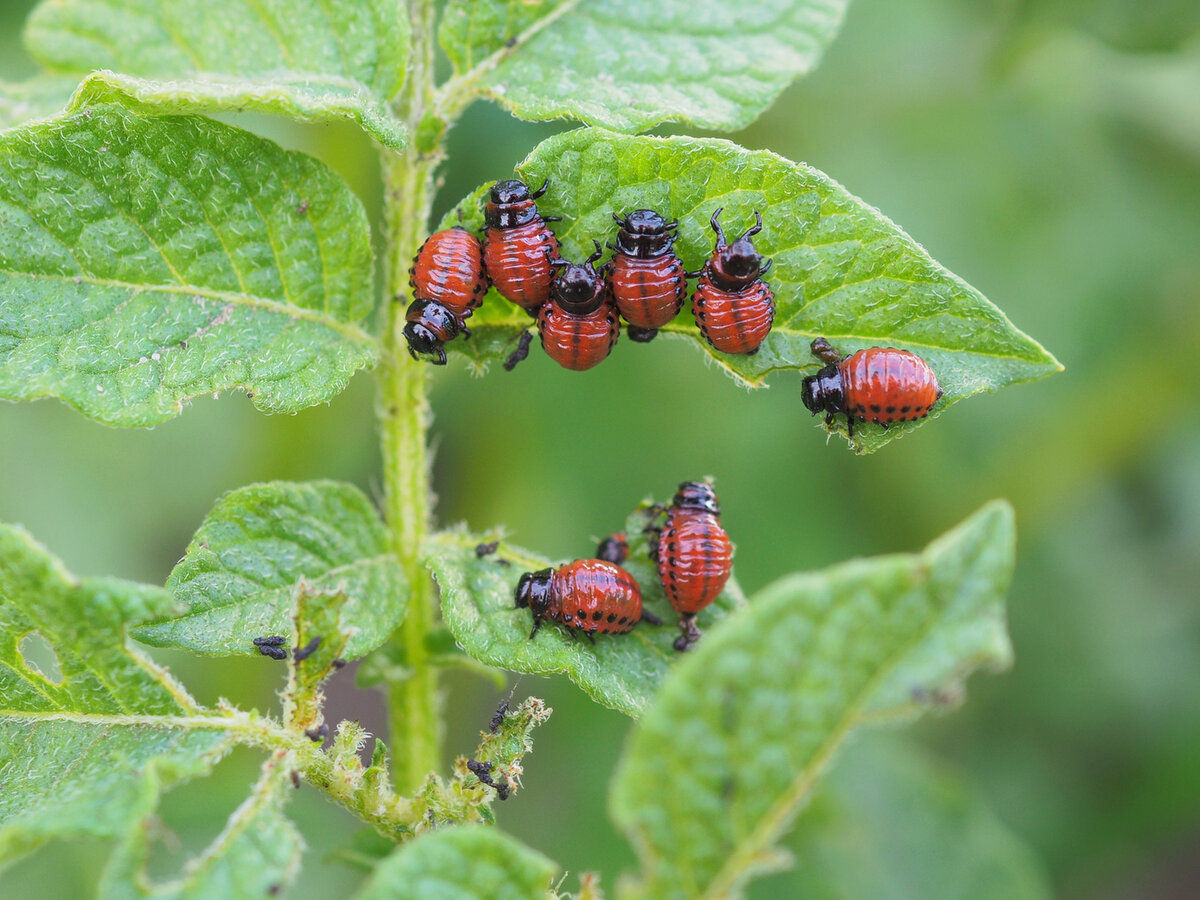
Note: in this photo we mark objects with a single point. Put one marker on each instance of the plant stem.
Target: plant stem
(413, 704)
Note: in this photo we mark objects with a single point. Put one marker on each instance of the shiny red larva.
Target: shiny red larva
(448, 269)
(579, 326)
(645, 277)
(590, 595)
(880, 384)
(733, 307)
(518, 244)
(448, 282)
(694, 556)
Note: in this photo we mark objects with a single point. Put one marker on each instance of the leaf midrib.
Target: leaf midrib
(346, 329)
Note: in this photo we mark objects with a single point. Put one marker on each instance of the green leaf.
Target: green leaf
(86, 744)
(892, 823)
(764, 702)
(263, 543)
(146, 261)
(841, 269)
(319, 638)
(255, 855)
(631, 66)
(620, 671)
(309, 60)
(473, 862)
(37, 98)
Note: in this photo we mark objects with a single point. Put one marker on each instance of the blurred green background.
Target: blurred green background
(1048, 153)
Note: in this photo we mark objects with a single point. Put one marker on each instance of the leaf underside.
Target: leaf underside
(148, 260)
(310, 60)
(842, 270)
(620, 671)
(765, 700)
(630, 66)
(260, 545)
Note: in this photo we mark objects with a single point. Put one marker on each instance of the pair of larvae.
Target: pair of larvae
(596, 596)
(577, 307)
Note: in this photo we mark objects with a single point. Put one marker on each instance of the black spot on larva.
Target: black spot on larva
(597, 615)
(612, 617)
(861, 408)
(891, 409)
(581, 614)
(874, 407)
(905, 409)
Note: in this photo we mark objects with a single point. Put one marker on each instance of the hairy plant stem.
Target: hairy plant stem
(413, 704)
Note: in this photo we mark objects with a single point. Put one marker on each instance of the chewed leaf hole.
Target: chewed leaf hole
(39, 657)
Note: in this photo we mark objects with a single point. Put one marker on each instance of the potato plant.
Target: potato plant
(150, 254)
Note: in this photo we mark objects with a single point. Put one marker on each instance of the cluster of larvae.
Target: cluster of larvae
(578, 308)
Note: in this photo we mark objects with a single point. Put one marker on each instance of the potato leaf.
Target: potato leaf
(308, 60)
(631, 66)
(91, 731)
(472, 862)
(148, 260)
(265, 547)
(620, 671)
(764, 702)
(842, 270)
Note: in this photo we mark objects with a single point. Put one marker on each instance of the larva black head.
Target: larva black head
(823, 392)
(825, 351)
(578, 289)
(644, 234)
(512, 204)
(614, 548)
(430, 325)
(512, 191)
(696, 495)
(533, 591)
(737, 265)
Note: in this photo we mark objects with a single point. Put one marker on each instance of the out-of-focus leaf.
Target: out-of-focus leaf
(841, 269)
(147, 260)
(620, 671)
(309, 60)
(765, 700)
(263, 543)
(890, 823)
(468, 863)
(254, 856)
(630, 65)
(38, 98)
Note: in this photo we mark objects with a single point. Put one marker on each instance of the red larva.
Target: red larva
(518, 244)
(579, 326)
(880, 384)
(646, 277)
(733, 307)
(590, 595)
(694, 556)
(448, 282)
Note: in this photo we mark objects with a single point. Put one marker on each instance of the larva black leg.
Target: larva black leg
(650, 617)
